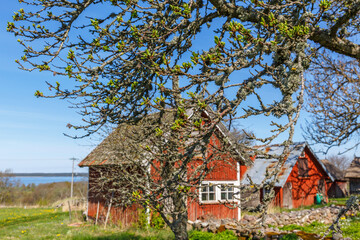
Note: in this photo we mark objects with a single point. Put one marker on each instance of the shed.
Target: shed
(353, 175)
(339, 187)
(301, 176)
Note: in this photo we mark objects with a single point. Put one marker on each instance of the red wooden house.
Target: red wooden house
(301, 177)
(211, 198)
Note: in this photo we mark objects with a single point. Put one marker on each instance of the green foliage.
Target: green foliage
(226, 235)
(291, 236)
(142, 222)
(156, 221)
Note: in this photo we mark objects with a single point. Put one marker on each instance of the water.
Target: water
(41, 180)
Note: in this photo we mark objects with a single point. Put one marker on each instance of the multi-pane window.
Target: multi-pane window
(217, 191)
(208, 193)
(227, 192)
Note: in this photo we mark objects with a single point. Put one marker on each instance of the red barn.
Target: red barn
(301, 177)
(224, 173)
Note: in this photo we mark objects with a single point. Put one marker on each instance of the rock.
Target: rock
(224, 221)
(337, 236)
(212, 228)
(230, 226)
(197, 225)
(243, 222)
(204, 224)
(249, 218)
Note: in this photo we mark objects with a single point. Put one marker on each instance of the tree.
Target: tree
(341, 162)
(334, 93)
(134, 58)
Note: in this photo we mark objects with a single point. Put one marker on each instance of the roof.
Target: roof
(334, 171)
(116, 147)
(261, 165)
(354, 169)
(124, 141)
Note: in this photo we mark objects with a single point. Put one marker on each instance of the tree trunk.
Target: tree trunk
(179, 227)
(180, 216)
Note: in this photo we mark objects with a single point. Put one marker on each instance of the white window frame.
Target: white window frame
(217, 188)
(208, 192)
(225, 190)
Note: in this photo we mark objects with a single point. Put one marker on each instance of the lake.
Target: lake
(40, 180)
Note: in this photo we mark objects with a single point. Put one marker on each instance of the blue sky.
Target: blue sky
(31, 129)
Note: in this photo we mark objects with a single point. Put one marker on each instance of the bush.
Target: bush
(156, 220)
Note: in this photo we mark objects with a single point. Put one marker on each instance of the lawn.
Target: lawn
(42, 223)
(45, 223)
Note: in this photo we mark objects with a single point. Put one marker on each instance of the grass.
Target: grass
(350, 227)
(45, 223)
(42, 223)
(338, 201)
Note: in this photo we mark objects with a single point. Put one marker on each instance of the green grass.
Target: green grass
(42, 223)
(314, 227)
(349, 226)
(338, 201)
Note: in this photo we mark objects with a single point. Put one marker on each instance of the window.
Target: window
(227, 192)
(215, 191)
(208, 193)
(266, 191)
(303, 167)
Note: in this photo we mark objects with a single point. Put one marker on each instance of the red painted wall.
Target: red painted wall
(223, 170)
(125, 216)
(120, 215)
(210, 210)
(304, 189)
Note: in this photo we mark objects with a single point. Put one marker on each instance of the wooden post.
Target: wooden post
(69, 211)
(108, 212)
(97, 213)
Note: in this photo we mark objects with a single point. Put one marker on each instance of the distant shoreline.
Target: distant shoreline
(49, 174)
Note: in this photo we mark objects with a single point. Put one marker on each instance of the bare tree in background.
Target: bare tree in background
(340, 161)
(334, 101)
(130, 59)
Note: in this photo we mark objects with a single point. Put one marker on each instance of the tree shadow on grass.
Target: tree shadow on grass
(117, 236)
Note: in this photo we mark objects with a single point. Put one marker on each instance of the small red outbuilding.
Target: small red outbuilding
(302, 176)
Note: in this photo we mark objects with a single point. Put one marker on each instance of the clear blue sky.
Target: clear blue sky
(31, 129)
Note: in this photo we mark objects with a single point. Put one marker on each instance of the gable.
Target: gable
(315, 169)
(261, 165)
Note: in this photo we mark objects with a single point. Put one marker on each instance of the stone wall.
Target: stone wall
(249, 226)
